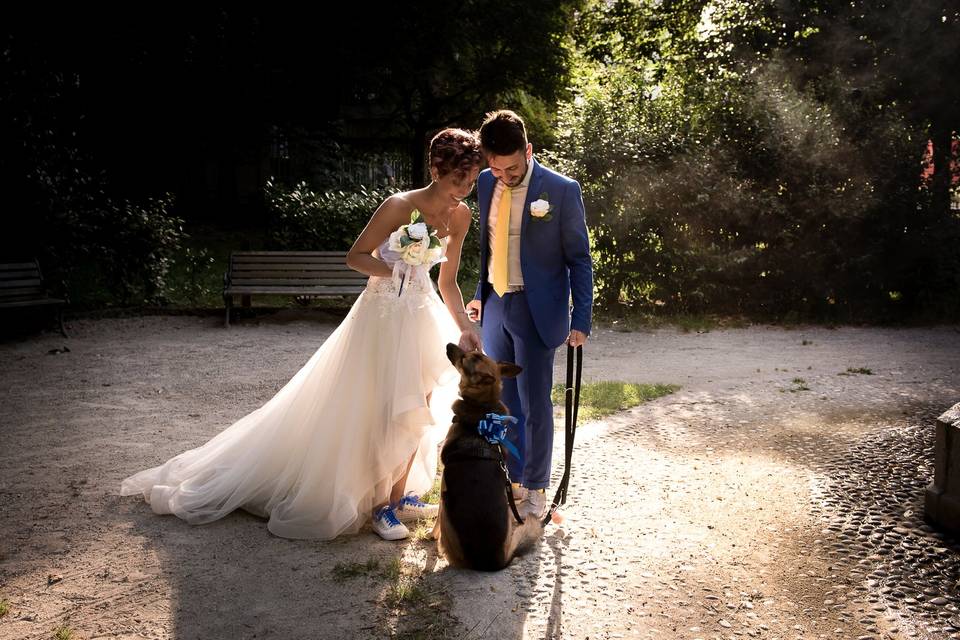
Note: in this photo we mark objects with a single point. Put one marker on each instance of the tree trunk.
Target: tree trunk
(942, 137)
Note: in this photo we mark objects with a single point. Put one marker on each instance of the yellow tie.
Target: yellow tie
(501, 243)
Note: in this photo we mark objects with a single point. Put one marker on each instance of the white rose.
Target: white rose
(417, 231)
(414, 254)
(395, 240)
(539, 208)
(433, 255)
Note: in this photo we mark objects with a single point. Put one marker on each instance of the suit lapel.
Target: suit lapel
(533, 193)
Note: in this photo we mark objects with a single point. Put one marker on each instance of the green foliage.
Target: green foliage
(106, 252)
(718, 177)
(133, 245)
(306, 220)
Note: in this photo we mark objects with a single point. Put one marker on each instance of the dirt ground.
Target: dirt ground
(777, 494)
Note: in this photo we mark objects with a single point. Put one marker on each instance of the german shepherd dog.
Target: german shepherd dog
(477, 528)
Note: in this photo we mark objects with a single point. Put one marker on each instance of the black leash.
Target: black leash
(572, 406)
(509, 488)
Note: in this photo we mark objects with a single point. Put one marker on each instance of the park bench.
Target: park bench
(312, 274)
(22, 286)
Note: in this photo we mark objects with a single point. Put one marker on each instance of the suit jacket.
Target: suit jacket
(554, 254)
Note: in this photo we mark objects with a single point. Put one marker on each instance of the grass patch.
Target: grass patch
(345, 570)
(423, 530)
(799, 384)
(4, 607)
(406, 591)
(433, 496)
(598, 399)
(393, 570)
(63, 633)
(851, 371)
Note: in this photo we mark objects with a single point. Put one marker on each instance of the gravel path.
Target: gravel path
(776, 495)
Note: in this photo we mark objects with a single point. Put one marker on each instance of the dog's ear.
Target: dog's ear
(454, 354)
(509, 370)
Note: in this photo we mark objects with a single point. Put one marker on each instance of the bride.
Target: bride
(354, 433)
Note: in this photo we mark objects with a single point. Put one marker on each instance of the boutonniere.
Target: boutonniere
(540, 209)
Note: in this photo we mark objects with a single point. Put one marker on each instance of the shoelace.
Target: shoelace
(387, 514)
(412, 500)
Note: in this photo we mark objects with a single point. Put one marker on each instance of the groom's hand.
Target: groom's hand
(474, 309)
(576, 338)
(470, 340)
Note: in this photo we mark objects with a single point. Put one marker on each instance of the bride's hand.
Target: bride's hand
(470, 340)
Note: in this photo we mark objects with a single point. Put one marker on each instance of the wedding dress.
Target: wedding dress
(328, 447)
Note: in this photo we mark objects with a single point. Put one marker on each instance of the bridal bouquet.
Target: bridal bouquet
(417, 242)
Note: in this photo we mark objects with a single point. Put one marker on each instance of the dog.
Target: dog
(476, 525)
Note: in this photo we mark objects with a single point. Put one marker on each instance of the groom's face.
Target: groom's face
(510, 170)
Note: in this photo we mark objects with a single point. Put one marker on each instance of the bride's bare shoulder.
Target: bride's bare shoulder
(401, 200)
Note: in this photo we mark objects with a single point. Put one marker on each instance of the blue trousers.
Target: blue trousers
(509, 335)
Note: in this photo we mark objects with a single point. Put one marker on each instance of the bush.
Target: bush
(302, 219)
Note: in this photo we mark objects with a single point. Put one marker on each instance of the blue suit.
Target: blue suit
(527, 327)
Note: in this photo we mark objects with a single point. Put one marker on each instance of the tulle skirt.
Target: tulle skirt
(328, 447)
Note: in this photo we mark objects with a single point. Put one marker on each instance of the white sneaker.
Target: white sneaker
(411, 507)
(534, 504)
(388, 526)
(519, 493)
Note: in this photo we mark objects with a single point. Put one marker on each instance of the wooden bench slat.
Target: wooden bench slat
(273, 266)
(36, 292)
(290, 253)
(30, 302)
(18, 266)
(304, 282)
(288, 260)
(338, 290)
(14, 274)
(299, 273)
(36, 283)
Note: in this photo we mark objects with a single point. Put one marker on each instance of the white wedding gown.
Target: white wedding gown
(328, 447)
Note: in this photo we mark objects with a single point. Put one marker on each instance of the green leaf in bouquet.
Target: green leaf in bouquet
(406, 241)
(416, 217)
(434, 242)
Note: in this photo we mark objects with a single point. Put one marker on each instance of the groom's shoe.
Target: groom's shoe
(388, 526)
(411, 507)
(534, 504)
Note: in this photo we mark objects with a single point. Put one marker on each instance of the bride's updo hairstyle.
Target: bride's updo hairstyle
(455, 151)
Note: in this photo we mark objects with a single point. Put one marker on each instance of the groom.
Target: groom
(534, 252)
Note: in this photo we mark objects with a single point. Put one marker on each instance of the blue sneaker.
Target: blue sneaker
(411, 507)
(387, 526)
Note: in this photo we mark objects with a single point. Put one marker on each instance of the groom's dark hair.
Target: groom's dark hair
(503, 133)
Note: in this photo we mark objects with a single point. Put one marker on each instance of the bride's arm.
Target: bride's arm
(385, 220)
(447, 282)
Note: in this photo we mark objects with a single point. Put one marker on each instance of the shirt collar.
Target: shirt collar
(526, 178)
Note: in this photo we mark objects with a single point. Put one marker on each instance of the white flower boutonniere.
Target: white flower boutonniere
(540, 209)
